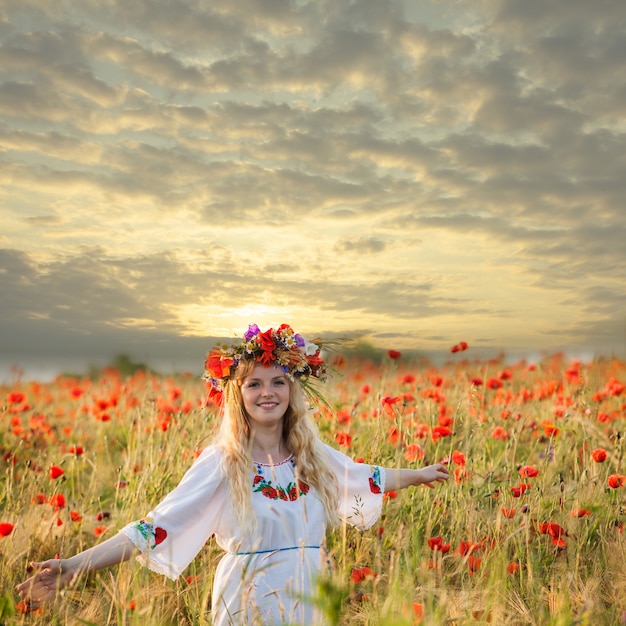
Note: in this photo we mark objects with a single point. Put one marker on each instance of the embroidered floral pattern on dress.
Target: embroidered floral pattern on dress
(375, 480)
(277, 492)
(152, 535)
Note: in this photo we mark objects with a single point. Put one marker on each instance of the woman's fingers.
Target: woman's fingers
(36, 589)
(43, 585)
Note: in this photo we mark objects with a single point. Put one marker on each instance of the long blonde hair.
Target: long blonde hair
(302, 440)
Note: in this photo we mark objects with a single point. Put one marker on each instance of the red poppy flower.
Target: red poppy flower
(445, 420)
(215, 395)
(549, 429)
(468, 547)
(457, 457)
(218, 366)
(528, 471)
(266, 357)
(461, 475)
(76, 392)
(393, 435)
(437, 545)
(98, 531)
(616, 480)
(6, 529)
(266, 341)
(581, 512)
(418, 611)
(520, 490)
(599, 455)
(28, 606)
(57, 501)
(16, 397)
(394, 354)
(473, 563)
(499, 433)
(344, 416)
(413, 452)
(75, 516)
(434, 543)
(390, 400)
(513, 568)
(555, 531)
(508, 513)
(359, 574)
(440, 431)
(343, 439)
(56, 471)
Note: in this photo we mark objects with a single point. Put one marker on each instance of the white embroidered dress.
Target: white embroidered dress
(263, 578)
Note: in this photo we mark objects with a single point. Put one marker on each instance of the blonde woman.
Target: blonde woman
(266, 489)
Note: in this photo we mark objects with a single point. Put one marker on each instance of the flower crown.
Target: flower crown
(282, 347)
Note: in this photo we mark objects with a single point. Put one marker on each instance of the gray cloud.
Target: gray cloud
(379, 158)
(363, 245)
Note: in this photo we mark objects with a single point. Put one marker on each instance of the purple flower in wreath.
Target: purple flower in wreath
(253, 331)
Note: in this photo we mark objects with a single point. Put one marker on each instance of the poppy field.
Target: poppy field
(528, 530)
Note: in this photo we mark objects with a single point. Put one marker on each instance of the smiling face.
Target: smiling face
(265, 395)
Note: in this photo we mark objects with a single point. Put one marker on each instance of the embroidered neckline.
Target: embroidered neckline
(286, 460)
(290, 492)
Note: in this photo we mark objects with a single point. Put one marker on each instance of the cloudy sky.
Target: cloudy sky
(421, 172)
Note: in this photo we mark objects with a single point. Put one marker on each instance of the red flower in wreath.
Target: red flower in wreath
(266, 341)
(217, 365)
(216, 395)
(267, 358)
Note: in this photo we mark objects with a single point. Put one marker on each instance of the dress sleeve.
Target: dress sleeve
(171, 535)
(361, 489)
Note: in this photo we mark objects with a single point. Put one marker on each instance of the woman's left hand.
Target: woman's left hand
(431, 474)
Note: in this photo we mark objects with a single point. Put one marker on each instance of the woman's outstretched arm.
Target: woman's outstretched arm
(56, 574)
(396, 479)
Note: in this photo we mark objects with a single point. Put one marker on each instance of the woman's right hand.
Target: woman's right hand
(53, 576)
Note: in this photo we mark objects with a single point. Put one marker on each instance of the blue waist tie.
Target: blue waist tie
(274, 550)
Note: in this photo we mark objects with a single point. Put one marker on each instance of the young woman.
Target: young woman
(266, 489)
